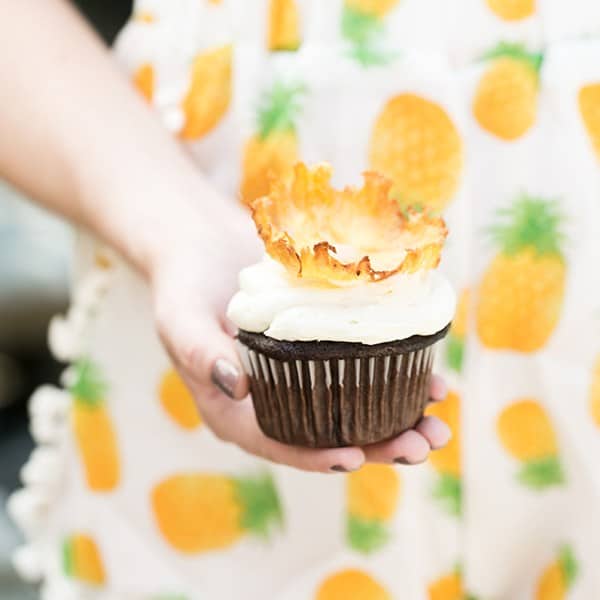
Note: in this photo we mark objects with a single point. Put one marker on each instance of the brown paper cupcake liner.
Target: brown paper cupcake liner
(332, 394)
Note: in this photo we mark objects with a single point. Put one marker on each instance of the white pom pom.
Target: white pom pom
(43, 470)
(49, 410)
(28, 509)
(64, 339)
(47, 431)
(68, 377)
(63, 589)
(50, 401)
(26, 562)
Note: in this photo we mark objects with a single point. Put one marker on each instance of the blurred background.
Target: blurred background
(34, 273)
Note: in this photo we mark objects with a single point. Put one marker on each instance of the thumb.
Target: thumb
(206, 353)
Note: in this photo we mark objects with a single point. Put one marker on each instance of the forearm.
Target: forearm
(75, 136)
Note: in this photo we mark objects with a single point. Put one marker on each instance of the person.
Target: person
(225, 93)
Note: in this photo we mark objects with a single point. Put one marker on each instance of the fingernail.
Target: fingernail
(402, 461)
(339, 469)
(225, 376)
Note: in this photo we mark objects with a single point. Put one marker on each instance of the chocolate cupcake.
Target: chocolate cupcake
(338, 325)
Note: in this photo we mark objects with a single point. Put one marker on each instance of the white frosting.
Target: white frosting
(288, 308)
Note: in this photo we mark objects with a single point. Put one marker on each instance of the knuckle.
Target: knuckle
(222, 436)
(190, 355)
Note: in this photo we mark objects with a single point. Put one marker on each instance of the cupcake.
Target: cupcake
(338, 322)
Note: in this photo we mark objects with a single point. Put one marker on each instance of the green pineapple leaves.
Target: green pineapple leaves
(366, 536)
(455, 352)
(363, 32)
(516, 52)
(542, 473)
(530, 222)
(568, 564)
(448, 492)
(88, 387)
(260, 503)
(279, 108)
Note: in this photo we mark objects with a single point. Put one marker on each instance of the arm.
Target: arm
(75, 136)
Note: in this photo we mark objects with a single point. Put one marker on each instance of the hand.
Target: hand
(192, 283)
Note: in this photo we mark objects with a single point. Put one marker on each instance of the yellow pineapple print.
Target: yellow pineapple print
(526, 433)
(415, 143)
(558, 577)
(202, 512)
(102, 259)
(284, 25)
(273, 150)
(362, 28)
(521, 293)
(143, 80)
(589, 106)
(448, 587)
(446, 461)
(373, 493)
(351, 584)
(512, 10)
(82, 561)
(455, 343)
(144, 16)
(177, 400)
(373, 8)
(595, 393)
(93, 428)
(209, 94)
(505, 102)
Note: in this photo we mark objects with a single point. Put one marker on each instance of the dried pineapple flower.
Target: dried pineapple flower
(344, 236)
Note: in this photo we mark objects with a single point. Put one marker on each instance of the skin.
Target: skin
(76, 137)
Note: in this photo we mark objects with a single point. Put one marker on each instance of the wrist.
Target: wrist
(146, 221)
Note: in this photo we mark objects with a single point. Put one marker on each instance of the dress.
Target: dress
(486, 110)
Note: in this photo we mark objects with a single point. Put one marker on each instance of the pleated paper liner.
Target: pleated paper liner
(333, 394)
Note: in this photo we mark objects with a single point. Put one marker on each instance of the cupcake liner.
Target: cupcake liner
(310, 394)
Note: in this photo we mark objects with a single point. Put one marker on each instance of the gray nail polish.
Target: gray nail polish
(339, 469)
(402, 461)
(225, 376)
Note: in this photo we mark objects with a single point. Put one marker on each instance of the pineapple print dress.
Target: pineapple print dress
(487, 111)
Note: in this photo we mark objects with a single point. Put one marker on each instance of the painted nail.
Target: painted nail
(225, 376)
(402, 461)
(339, 469)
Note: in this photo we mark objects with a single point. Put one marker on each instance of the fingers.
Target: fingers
(334, 460)
(435, 431)
(413, 447)
(205, 352)
(410, 447)
(438, 389)
(237, 424)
